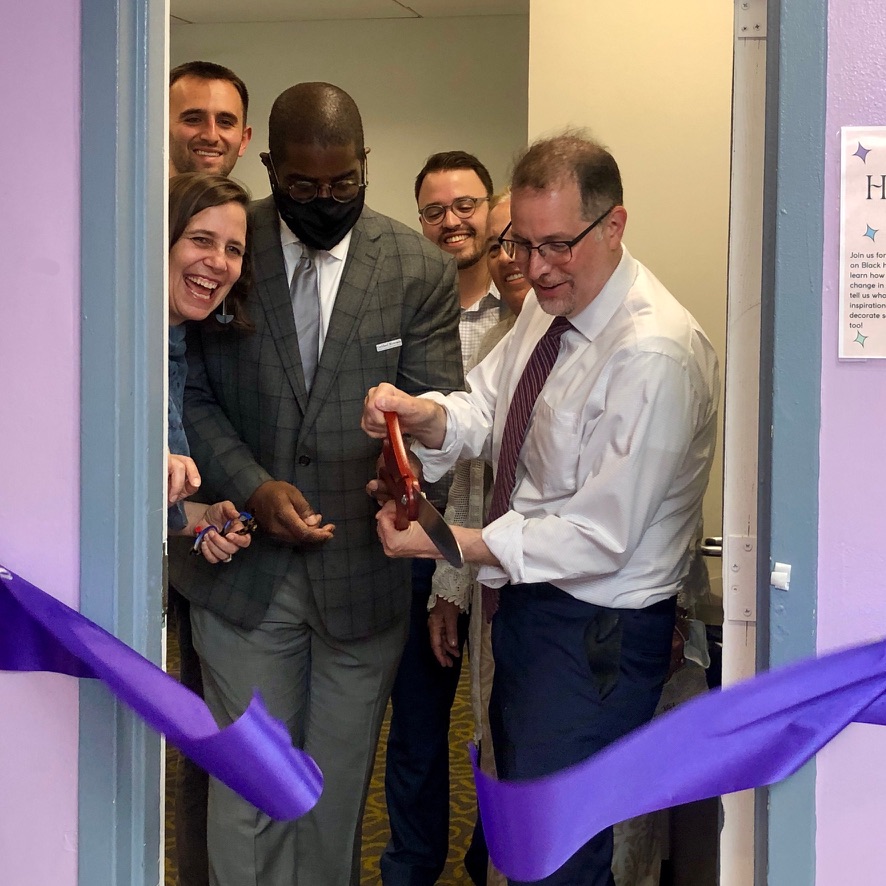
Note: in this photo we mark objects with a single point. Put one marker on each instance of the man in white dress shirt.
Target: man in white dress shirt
(592, 541)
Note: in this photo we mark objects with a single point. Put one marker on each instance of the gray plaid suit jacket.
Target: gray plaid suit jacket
(249, 419)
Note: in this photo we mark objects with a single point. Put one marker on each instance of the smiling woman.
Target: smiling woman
(208, 268)
(205, 262)
(208, 257)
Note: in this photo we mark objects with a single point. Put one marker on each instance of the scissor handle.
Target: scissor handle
(398, 477)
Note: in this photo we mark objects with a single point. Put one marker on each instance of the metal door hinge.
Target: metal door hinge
(750, 19)
(740, 578)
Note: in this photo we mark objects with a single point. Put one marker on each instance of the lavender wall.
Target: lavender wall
(851, 784)
(39, 420)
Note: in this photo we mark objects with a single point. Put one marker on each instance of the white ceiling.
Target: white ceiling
(241, 11)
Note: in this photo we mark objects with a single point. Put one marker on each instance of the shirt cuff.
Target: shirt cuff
(436, 462)
(504, 537)
(454, 585)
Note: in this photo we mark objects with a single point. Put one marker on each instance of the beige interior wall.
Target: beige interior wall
(653, 82)
(422, 85)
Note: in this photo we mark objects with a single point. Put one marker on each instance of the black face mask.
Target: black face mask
(321, 223)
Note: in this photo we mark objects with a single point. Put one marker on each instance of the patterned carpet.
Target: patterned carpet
(375, 821)
(462, 797)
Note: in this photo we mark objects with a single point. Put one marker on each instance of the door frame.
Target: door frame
(773, 493)
(741, 408)
(123, 187)
(790, 395)
(123, 403)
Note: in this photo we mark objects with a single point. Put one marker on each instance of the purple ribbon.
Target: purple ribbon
(253, 756)
(752, 734)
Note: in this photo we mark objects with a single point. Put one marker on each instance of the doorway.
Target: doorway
(656, 223)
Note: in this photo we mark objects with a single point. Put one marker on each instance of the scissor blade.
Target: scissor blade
(439, 532)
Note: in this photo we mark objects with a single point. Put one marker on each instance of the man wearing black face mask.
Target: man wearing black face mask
(315, 617)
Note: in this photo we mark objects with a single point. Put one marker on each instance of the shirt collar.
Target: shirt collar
(339, 251)
(594, 318)
(492, 299)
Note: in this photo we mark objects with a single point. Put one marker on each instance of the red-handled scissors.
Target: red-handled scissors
(408, 497)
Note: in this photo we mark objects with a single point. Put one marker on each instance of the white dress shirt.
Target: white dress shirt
(330, 264)
(618, 450)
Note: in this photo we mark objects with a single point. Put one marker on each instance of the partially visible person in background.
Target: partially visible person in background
(507, 277)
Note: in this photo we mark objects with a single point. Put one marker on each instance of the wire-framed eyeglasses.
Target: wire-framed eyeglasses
(304, 191)
(554, 252)
(462, 207)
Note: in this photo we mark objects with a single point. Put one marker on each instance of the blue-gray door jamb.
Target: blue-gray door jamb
(122, 407)
(790, 390)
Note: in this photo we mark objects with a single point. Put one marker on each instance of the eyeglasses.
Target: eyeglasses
(462, 207)
(342, 191)
(304, 191)
(554, 252)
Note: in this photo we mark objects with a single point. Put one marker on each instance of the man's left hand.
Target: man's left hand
(410, 542)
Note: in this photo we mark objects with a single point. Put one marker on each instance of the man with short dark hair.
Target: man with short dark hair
(207, 118)
(315, 620)
(598, 412)
(452, 192)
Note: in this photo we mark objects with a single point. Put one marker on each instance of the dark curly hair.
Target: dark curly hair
(191, 193)
(446, 161)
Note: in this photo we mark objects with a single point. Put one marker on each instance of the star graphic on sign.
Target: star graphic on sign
(861, 339)
(871, 232)
(862, 152)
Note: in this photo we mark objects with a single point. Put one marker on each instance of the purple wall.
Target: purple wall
(39, 428)
(851, 775)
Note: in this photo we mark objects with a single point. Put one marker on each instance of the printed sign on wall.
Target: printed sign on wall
(863, 243)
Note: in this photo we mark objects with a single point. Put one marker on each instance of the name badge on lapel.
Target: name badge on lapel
(387, 345)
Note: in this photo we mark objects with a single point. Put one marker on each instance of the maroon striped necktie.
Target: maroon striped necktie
(537, 370)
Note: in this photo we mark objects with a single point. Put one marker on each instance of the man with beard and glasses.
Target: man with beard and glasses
(452, 192)
(598, 412)
(316, 617)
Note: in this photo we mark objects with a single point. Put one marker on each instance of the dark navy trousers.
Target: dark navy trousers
(570, 678)
(417, 765)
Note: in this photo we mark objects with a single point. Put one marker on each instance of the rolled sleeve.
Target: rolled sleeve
(504, 537)
(436, 462)
(468, 427)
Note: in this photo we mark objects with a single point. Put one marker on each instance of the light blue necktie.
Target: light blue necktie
(304, 291)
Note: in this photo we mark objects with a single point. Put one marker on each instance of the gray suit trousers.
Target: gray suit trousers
(332, 695)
